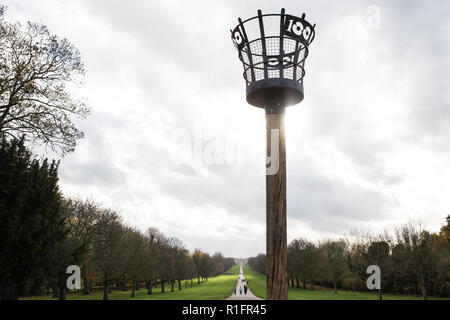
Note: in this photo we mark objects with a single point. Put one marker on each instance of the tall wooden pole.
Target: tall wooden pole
(276, 238)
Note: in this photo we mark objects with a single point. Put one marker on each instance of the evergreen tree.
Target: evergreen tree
(31, 223)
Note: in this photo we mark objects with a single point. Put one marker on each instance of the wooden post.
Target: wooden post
(276, 238)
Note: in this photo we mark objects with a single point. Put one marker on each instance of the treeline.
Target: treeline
(412, 261)
(42, 233)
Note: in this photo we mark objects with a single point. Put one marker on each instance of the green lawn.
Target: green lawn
(216, 288)
(256, 281)
(257, 285)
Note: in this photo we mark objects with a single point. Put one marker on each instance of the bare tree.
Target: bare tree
(206, 266)
(181, 256)
(108, 249)
(134, 258)
(171, 254)
(296, 261)
(37, 70)
(311, 257)
(218, 263)
(335, 254)
(164, 261)
(421, 256)
(83, 223)
(197, 260)
(190, 269)
(354, 258)
(154, 243)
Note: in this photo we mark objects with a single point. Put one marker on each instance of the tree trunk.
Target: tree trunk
(353, 285)
(179, 284)
(198, 279)
(297, 285)
(276, 240)
(133, 289)
(415, 285)
(86, 285)
(55, 291)
(424, 291)
(171, 283)
(312, 286)
(162, 286)
(47, 290)
(335, 286)
(149, 288)
(62, 290)
(304, 282)
(191, 282)
(105, 288)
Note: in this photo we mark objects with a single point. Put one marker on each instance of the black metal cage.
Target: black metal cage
(273, 49)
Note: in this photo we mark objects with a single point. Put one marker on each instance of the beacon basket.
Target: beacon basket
(273, 49)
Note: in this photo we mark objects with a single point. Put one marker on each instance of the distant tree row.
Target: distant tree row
(413, 261)
(42, 233)
(116, 255)
(258, 263)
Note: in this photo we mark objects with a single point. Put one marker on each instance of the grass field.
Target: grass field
(220, 287)
(257, 284)
(216, 288)
(256, 281)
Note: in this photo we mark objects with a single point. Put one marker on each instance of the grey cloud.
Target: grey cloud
(95, 172)
(331, 205)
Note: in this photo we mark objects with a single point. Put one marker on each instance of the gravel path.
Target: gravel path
(240, 284)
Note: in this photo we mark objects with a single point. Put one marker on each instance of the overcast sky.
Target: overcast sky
(368, 148)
